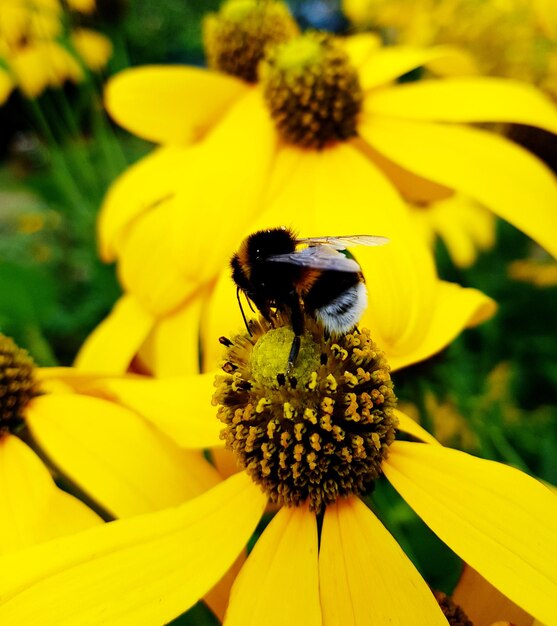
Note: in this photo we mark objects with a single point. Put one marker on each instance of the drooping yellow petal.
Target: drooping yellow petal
(504, 177)
(484, 604)
(143, 186)
(477, 99)
(94, 48)
(141, 571)
(409, 426)
(335, 190)
(172, 347)
(180, 406)
(499, 520)
(365, 577)
(279, 582)
(389, 63)
(112, 345)
(116, 457)
(6, 85)
(222, 189)
(454, 309)
(33, 508)
(170, 104)
(148, 267)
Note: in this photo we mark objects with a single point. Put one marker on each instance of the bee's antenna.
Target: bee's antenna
(242, 311)
(250, 305)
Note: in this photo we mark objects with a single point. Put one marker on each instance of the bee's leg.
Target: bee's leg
(297, 321)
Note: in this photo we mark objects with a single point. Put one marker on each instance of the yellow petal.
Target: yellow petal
(499, 520)
(334, 190)
(149, 268)
(279, 582)
(409, 426)
(504, 177)
(483, 604)
(179, 406)
(112, 345)
(170, 104)
(390, 63)
(33, 508)
(94, 48)
(365, 577)
(360, 47)
(6, 85)
(143, 186)
(222, 192)
(454, 309)
(172, 347)
(478, 99)
(117, 458)
(141, 571)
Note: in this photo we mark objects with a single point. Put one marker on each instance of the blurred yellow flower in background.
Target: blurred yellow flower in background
(38, 52)
(275, 148)
(514, 38)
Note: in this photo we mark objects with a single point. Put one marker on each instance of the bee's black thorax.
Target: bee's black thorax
(328, 287)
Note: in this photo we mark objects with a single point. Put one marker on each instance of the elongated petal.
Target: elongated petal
(335, 190)
(365, 577)
(454, 309)
(409, 426)
(279, 582)
(390, 63)
(180, 406)
(148, 267)
(477, 99)
(142, 571)
(360, 47)
(33, 508)
(222, 189)
(172, 347)
(170, 104)
(112, 345)
(142, 187)
(504, 177)
(497, 519)
(114, 456)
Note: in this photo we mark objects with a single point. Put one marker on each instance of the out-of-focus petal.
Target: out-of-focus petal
(504, 177)
(497, 519)
(478, 99)
(142, 571)
(6, 85)
(33, 508)
(179, 406)
(222, 192)
(117, 458)
(279, 582)
(360, 47)
(365, 577)
(94, 48)
(170, 104)
(112, 345)
(144, 186)
(390, 63)
(409, 426)
(454, 309)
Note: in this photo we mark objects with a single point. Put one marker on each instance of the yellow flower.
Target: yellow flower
(83, 6)
(539, 273)
(34, 509)
(515, 38)
(246, 161)
(336, 411)
(32, 48)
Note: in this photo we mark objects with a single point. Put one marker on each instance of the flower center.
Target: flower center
(17, 384)
(237, 37)
(317, 433)
(453, 613)
(312, 90)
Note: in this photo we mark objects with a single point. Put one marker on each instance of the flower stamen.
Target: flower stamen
(319, 433)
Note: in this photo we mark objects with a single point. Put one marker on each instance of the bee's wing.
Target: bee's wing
(343, 242)
(321, 257)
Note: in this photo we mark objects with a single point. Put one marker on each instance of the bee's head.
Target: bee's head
(265, 243)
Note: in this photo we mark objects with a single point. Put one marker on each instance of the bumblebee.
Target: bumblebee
(317, 280)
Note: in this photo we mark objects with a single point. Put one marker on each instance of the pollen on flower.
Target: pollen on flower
(312, 90)
(317, 433)
(454, 614)
(237, 37)
(17, 384)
